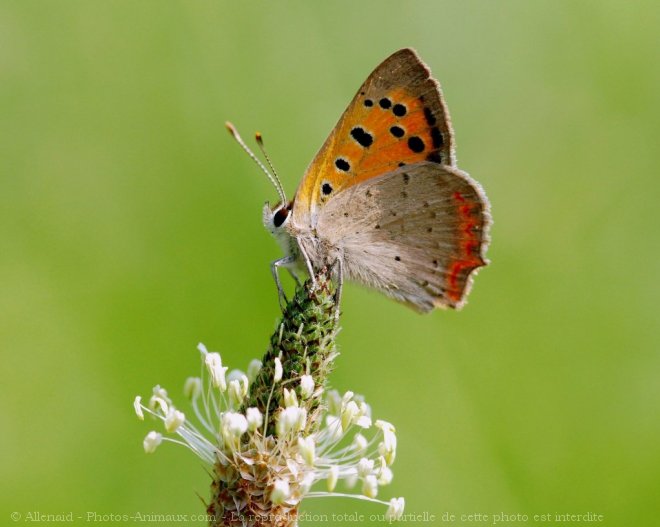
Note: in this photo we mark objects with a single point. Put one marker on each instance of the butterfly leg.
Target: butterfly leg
(308, 266)
(287, 260)
(339, 262)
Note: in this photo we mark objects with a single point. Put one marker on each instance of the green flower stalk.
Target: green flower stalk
(272, 436)
(304, 345)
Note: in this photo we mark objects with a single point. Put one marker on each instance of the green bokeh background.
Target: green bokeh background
(130, 230)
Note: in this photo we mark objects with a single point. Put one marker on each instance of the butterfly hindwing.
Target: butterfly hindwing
(417, 233)
(397, 117)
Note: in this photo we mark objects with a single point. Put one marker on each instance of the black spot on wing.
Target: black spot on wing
(416, 144)
(342, 164)
(435, 157)
(326, 188)
(363, 137)
(397, 131)
(385, 103)
(399, 110)
(436, 137)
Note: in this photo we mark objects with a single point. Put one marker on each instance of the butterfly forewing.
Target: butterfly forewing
(397, 117)
(417, 234)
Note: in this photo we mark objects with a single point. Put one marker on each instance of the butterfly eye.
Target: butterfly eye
(280, 216)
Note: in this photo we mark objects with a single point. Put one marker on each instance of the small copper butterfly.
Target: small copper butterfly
(383, 202)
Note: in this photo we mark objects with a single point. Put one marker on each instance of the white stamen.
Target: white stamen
(365, 467)
(137, 404)
(253, 369)
(235, 394)
(157, 402)
(174, 420)
(307, 449)
(370, 486)
(290, 398)
(277, 377)
(294, 461)
(192, 388)
(349, 415)
(360, 443)
(281, 491)
(217, 371)
(306, 386)
(333, 476)
(151, 442)
(254, 418)
(234, 424)
(395, 510)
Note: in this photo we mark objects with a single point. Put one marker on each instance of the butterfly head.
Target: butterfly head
(276, 218)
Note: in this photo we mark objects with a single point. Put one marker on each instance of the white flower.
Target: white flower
(151, 442)
(174, 420)
(307, 449)
(234, 424)
(385, 476)
(384, 473)
(370, 486)
(333, 425)
(348, 396)
(365, 467)
(254, 418)
(395, 510)
(345, 448)
(306, 386)
(238, 390)
(290, 398)
(360, 443)
(235, 375)
(192, 388)
(137, 404)
(291, 419)
(281, 491)
(364, 415)
(253, 369)
(156, 402)
(333, 476)
(216, 370)
(349, 414)
(387, 448)
(278, 370)
(161, 393)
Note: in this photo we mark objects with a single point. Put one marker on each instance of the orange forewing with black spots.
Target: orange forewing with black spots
(397, 117)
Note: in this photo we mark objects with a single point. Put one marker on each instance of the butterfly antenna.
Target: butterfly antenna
(273, 179)
(260, 142)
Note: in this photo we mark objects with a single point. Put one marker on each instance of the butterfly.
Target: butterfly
(383, 203)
